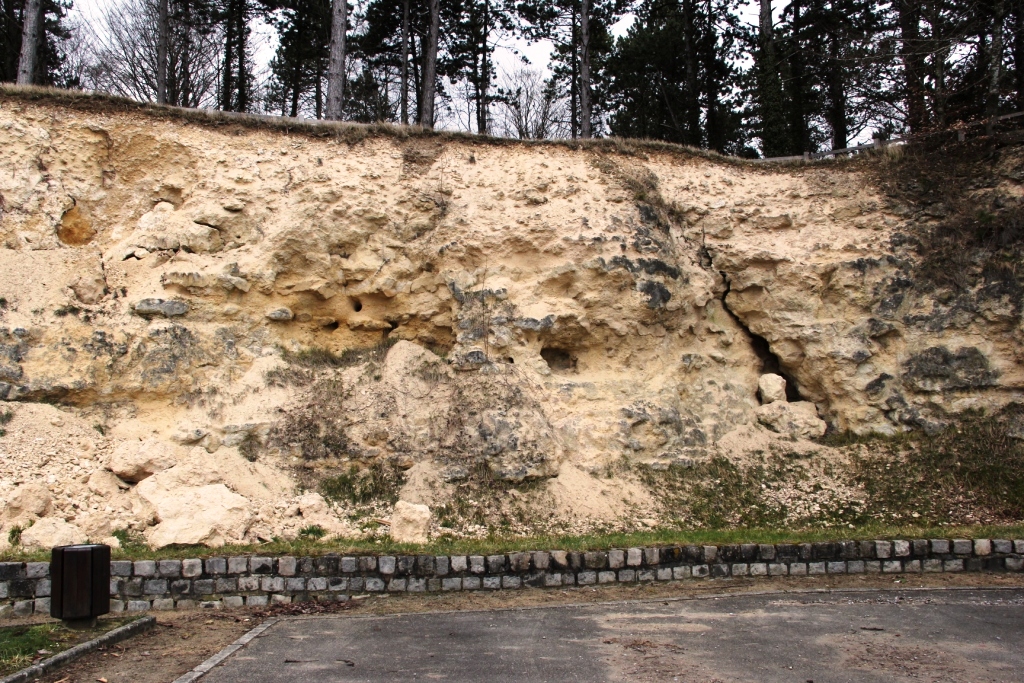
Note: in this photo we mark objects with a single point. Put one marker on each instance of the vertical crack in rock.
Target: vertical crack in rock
(769, 361)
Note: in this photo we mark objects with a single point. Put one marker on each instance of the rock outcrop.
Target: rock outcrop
(227, 317)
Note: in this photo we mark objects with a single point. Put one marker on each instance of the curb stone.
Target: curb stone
(201, 670)
(67, 656)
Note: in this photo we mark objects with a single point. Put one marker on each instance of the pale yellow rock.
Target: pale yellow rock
(799, 419)
(27, 502)
(89, 288)
(133, 461)
(209, 515)
(51, 532)
(772, 388)
(410, 523)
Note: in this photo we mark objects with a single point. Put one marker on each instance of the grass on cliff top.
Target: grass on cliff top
(309, 546)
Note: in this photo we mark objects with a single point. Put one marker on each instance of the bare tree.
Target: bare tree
(29, 42)
(163, 40)
(585, 107)
(405, 62)
(430, 64)
(336, 61)
(127, 55)
(529, 106)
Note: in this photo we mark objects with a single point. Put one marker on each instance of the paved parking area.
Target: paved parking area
(933, 635)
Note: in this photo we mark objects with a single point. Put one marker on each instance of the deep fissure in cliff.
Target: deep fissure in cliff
(770, 363)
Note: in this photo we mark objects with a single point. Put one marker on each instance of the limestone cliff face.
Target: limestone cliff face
(556, 307)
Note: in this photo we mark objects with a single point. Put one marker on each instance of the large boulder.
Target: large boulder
(799, 419)
(772, 388)
(410, 523)
(51, 532)
(134, 461)
(28, 502)
(210, 515)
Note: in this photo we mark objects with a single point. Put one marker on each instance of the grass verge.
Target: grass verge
(28, 644)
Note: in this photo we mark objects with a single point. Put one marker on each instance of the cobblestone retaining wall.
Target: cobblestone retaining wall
(253, 580)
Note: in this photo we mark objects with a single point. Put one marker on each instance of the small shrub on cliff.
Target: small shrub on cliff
(313, 532)
(5, 419)
(377, 483)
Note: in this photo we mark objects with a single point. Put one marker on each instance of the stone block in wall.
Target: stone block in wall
(849, 550)
(470, 583)
(191, 569)
(919, 547)
(374, 585)
(634, 557)
(912, 566)
(798, 569)
(892, 566)
(519, 562)
(700, 571)
(305, 566)
(962, 546)
(21, 588)
(595, 560)
(779, 569)
(931, 565)
(349, 565)
(417, 585)
(694, 554)
(709, 553)
(397, 585)
(719, 571)
(627, 575)
(559, 559)
(163, 604)
(1018, 547)
(116, 606)
(1015, 564)
(386, 564)
(233, 601)
(740, 569)
(901, 549)
(286, 566)
(296, 584)
(37, 570)
(42, 589)
(835, 567)
(663, 574)
(24, 608)
(41, 606)
(144, 568)
(766, 552)
(203, 586)
(855, 567)
(181, 587)
(814, 568)
(1002, 546)
(356, 584)
(541, 560)
(940, 546)
(169, 569)
(682, 572)
(121, 568)
(238, 565)
(216, 565)
(495, 564)
(337, 583)
(476, 564)
(316, 583)
(606, 577)
(256, 600)
(586, 578)
(132, 587)
(823, 551)
(450, 584)
(982, 547)
(368, 563)
(883, 550)
(758, 569)
(645, 575)
(616, 559)
(552, 579)
(652, 556)
(425, 565)
(278, 599)
(155, 587)
(459, 563)
(492, 583)
(260, 565)
(405, 565)
(511, 582)
(245, 583)
(671, 555)
(137, 606)
(327, 565)
(973, 564)
(10, 571)
(730, 553)
(272, 584)
(442, 565)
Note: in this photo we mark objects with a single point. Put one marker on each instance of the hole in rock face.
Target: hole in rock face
(331, 327)
(357, 305)
(559, 360)
(511, 360)
(770, 364)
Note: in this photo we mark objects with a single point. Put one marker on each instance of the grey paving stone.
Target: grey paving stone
(417, 585)
(169, 569)
(163, 604)
(41, 606)
(835, 567)
(120, 568)
(710, 553)
(740, 569)
(337, 583)
(367, 563)
(559, 559)
(43, 588)
(552, 579)
(982, 547)
(261, 565)
(181, 587)
(797, 569)
(932, 565)
(374, 585)
(349, 565)
(155, 587)
(24, 608)
(962, 546)
(616, 559)
(815, 567)
(912, 566)
(606, 577)
(203, 586)
(652, 556)
(386, 565)
(511, 582)
(116, 606)
(700, 571)
(37, 570)
(777, 569)
(441, 565)
(398, 585)
(892, 567)
(586, 578)
(286, 566)
(872, 567)
(1015, 564)
(256, 600)
(248, 583)
(953, 565)
(230, 585)
(276, 599)
(682, 572)
(476, 564)
(627, 575)
(137, 606)
(317, 583)
(663, 574)
(144, 568)
(459, 563)
(883, 550)
(634, 557)
(356, 584)
(855, 567)
(295, 584)
(470, 583)
(758, 569)
(216, 565)
(272, 584)
(233, 601)
(645, 575)
(940, 546)
(1018, 547)
(238, 565)
(595, 560)
(187, 603)
(719, 571)
(452, 584)
(492, 583)
(495, 564)
(901, 548)
(190, 569)
(541, 560)
(1002, 546)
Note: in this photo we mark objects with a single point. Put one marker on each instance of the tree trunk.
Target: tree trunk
(585, 107)
(995, 65)
(430, 64)
(405, 62)
(692, 113)
(163, 39)
(574, 82)
(483, 86)
(336, 65)
(913, 63)
(836, 112)
(29, 41)
(1018, 52)
(774, 137)
(939, 57)
(799, 133)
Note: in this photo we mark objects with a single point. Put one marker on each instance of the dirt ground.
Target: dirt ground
(182, 640)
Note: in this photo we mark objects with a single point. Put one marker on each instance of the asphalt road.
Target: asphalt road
(952, 635)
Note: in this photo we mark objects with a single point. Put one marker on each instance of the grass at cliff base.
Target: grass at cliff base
(26, 644)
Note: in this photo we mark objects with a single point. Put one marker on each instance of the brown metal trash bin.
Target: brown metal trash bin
(79, 582)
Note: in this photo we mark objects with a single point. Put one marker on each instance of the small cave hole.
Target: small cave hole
(770, 365)
(357, 305)
(559, 360)
(511, 360)
(331, 326)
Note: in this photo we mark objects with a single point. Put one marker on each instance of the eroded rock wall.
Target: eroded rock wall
(558, 309)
